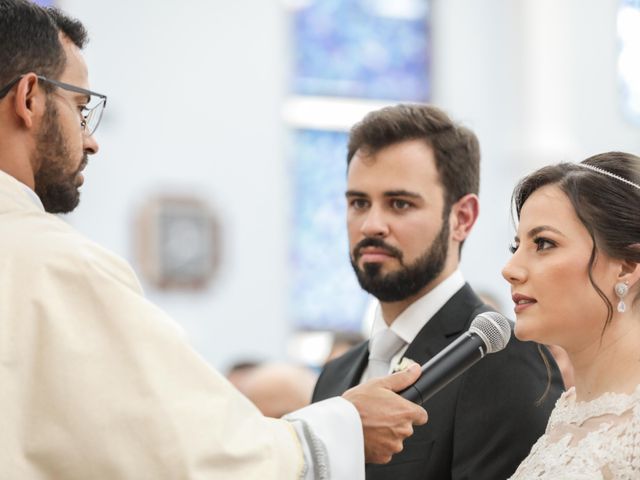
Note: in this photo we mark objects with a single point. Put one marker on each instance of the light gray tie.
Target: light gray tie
(382, 347)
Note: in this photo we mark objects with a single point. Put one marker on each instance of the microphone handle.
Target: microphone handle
(446, 366)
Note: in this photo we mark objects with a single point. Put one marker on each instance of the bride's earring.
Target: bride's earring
(621, 290)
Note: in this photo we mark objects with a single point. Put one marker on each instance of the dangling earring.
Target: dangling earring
(621, 290)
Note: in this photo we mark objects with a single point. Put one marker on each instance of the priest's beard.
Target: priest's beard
(56, 187)
(410, 279)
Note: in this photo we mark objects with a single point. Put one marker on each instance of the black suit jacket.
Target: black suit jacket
(483, 424)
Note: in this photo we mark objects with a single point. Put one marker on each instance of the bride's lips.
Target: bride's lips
(522, 302)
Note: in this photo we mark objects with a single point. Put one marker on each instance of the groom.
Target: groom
(413, 179)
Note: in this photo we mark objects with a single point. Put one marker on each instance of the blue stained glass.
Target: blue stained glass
(628, 59)
(362, 48)
(325, 292)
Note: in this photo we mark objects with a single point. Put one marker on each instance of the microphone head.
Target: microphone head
(494, 330)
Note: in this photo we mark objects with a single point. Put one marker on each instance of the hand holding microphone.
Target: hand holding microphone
(489, 332)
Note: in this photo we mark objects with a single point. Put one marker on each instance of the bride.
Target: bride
(574, 278)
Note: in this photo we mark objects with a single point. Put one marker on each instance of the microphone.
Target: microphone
(489, 332)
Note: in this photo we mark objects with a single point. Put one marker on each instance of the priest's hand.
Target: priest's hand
(387, 418)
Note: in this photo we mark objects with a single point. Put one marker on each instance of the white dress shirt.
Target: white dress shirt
(409, 323)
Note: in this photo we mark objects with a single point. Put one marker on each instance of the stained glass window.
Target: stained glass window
(629, 57)
(362, 48)
(348, 55)
(325, 291)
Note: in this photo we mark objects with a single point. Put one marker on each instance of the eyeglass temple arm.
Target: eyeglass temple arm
(7, 88)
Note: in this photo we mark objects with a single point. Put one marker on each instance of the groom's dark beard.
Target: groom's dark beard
(410, 279)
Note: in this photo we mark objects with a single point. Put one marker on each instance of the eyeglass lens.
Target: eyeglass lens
(93, 114)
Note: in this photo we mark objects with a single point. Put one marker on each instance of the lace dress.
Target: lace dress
(592, 440)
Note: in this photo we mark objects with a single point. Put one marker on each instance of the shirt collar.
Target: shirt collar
(409, 323)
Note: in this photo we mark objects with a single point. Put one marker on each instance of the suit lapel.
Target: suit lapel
(354, 369)
(449, 322)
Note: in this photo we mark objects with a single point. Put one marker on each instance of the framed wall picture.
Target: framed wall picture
(177, 242)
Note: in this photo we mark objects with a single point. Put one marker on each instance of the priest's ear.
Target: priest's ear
(29, 101)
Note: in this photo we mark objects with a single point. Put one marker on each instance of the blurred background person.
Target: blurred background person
(238, 372)
(278, 388)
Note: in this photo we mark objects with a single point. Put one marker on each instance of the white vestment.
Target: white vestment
(98, 383)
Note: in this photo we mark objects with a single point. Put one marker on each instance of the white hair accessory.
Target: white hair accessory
(609, 174)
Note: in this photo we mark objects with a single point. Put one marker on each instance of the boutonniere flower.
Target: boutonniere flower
(403, 364)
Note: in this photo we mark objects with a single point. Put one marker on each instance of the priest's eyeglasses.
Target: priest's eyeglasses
(90, 114)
